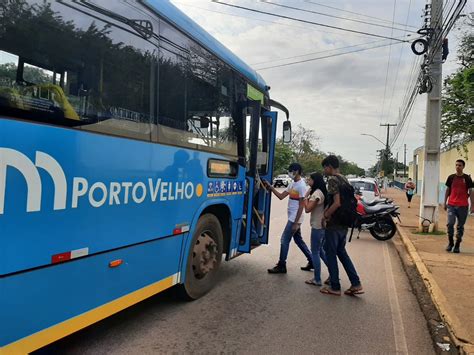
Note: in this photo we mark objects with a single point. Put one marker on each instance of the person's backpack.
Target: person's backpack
(346, 215)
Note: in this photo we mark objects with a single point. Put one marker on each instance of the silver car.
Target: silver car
(367, 187)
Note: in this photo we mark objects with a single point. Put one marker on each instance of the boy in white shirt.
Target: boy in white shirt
(296, 192)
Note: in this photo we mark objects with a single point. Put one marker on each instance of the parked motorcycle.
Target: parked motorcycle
(376, 217)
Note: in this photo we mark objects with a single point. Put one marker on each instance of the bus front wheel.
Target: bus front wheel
(204, 258)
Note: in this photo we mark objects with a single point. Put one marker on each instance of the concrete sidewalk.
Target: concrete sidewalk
(449, 277)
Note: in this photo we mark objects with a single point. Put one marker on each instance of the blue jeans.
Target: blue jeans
(317, 251)
(335, 246)
(461, 214)
(285, 243)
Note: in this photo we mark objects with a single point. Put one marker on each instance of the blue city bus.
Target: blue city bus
(132, 150)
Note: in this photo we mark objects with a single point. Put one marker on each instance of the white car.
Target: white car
(282, 180)
(368, 187)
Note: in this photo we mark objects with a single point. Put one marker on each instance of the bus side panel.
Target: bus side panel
(148, 202)
(35, 300)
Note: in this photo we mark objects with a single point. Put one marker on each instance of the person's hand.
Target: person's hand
(266, 184)
(445, 207)
(323, 223)
(472, 209)
(295, 227)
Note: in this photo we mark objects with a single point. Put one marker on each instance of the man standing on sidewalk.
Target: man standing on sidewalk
(296, 192)
(456, 203)
(336, 232)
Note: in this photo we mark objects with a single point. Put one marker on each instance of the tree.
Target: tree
(304, 141)
(457, 124)
(283, 157)
(303, 150)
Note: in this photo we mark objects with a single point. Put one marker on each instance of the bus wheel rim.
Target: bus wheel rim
(204, 255)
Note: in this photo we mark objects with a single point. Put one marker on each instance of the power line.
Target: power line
(334, 16)
(328, 56)
(319, 52)
(357, 13)
(398, 65)
(388, 66)
(262, 20)
(306, 21)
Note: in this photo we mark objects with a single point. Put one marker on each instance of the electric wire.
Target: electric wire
(334, 16)
(398, 65)
(388, 68)
(306, 21)
(325, 57)
(311, 28)
(410, 99)
(357, 13)
(319, 52)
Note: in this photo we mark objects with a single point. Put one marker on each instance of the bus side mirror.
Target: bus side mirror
(287, 132)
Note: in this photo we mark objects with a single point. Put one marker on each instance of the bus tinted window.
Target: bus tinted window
(196, 96)
(77, 64)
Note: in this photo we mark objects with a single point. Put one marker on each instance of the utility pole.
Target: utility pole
(387, 147)
(430, 187)
(405, 161)
(395, 168)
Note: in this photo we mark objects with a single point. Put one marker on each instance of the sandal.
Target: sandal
(312, 282)
(354, 290)
(330, 291)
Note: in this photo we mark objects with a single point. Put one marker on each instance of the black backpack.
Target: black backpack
(346, 215)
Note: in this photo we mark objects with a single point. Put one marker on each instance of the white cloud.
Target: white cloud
(339, 97)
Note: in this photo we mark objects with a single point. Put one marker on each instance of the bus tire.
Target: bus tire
(204, 259)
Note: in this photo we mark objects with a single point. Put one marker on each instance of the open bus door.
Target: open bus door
(260, 137)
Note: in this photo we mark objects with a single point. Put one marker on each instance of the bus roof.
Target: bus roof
(171, 13)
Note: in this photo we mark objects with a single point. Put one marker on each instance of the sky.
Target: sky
(340, 97)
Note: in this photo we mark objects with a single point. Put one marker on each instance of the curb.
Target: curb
(456, 330)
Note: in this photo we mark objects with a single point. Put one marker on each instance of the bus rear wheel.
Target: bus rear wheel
(204, 258)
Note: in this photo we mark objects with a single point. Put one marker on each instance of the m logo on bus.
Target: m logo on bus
(96, 194)
(19, 161)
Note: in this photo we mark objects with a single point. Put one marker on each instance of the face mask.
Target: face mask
(292, 174)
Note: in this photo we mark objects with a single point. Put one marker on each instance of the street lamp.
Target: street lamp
(384, 151)
(370, 135)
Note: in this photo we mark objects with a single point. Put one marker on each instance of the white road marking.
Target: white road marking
(398, 328)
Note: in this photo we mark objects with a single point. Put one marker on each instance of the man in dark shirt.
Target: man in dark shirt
(456, 203)
(335, 244)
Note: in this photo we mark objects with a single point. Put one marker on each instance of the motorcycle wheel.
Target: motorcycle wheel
(384, 229)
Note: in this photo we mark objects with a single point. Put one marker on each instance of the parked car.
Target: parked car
(368, 187)
(282, 180)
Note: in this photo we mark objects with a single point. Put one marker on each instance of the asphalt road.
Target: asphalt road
(251, 311)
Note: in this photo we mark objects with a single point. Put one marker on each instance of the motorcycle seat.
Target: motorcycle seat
(378, 208)
(375, 201)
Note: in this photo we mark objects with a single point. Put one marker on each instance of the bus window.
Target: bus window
(264, 131)
(77, 66)
(195, 96)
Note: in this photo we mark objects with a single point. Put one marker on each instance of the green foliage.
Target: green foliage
(283, 157)
(303, 149)
(30, 74)
(457, 125)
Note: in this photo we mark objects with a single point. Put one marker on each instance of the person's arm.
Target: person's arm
(336, 204)
(296, 225)
(471, 194)
(309, 205)
(470, 191)
(280, 195)
(447, 193)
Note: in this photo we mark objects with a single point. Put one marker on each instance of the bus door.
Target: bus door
(265, 160)
(260, 132)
